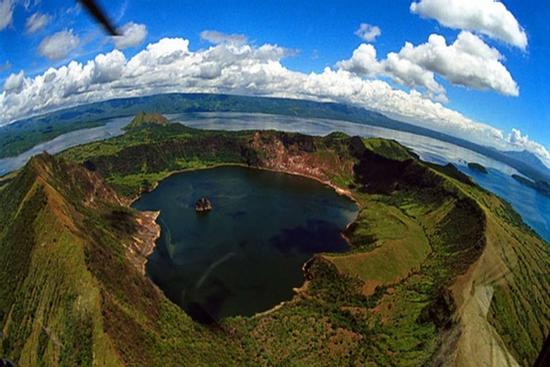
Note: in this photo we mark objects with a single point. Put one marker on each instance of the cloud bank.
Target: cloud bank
(170, 66)
(468, 62)
(488, 17)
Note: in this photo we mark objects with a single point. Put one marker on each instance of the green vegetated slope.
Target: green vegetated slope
(439, 269)
(69, 294)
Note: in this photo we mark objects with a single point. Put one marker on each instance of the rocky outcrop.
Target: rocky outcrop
(144, 239)
(203, 205)
(298, 154)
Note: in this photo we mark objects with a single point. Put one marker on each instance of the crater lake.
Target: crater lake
(246, 255)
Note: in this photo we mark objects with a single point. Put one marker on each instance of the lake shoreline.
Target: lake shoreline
(145, 242)
(533, 208)
(155, 226)
(336, 188)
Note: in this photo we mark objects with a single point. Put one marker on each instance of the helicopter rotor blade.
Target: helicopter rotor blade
(99, 16)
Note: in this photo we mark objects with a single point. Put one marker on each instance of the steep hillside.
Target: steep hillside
(72, 294)
(440, 271)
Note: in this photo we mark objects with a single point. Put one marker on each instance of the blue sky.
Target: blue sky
(315, 34)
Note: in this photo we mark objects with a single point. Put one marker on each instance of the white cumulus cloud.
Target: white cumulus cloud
(59, 45)
(363, 62)
(488, 17)
(467, 62)
(367, 32)
(132, 35)
(36, 22)
(170, 66)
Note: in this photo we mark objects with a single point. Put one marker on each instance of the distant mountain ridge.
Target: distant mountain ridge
(22, 135)
(528, 158)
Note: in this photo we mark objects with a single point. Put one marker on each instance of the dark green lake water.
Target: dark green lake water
(246, 255)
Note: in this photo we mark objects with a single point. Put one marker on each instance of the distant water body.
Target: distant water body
(110, 129)
(533, 207)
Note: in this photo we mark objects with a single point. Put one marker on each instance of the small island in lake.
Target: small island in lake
(541, 187)
(203, 205)
(477, 167)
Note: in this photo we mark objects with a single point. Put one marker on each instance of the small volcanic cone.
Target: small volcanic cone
(203, 205)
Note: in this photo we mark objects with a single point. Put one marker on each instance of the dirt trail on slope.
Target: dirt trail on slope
(477, 342)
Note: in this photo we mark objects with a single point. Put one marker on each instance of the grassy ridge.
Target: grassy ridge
(50, 308)
(514, 272)
(388, 246)
(424, 240)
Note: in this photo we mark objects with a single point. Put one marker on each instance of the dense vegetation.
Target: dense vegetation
(437, 267)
